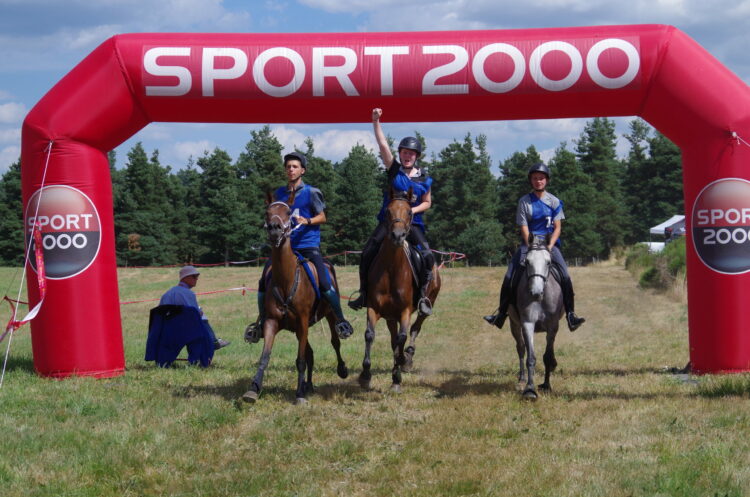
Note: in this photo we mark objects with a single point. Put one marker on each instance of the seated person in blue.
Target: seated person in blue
(538, 213)
(403, 173)
(181, 294)
(310, 208)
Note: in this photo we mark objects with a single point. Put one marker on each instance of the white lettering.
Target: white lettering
(386, 65)
(702, 216)
(210, 73)
(259, 75)
(519, 67)
(182, 74)
(57, 222)
(592, 63)
(320, 71)
(459, 62)
(535, 65)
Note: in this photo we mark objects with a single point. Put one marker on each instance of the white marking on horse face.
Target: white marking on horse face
(537, 262)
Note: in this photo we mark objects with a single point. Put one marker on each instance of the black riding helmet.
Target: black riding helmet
(538, 168)
(296, 156)
(411, 143)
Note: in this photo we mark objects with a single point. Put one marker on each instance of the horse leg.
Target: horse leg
(399, 359)
(528, 334)
(300, 362)
(310, 360)
(412, 348)
(517, 333)
(341, 368)
(270, 328)
(365, 376)
(550, 363)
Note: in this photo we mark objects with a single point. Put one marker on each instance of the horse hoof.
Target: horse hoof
(395, 388)
(251, 396)
(546, 387)
(530, 394)
(364, 382)
(342, 371)
(408, 365)
(300, 401)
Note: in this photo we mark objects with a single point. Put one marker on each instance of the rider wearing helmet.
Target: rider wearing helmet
(538, 213)
(308, 213)
(403, 173)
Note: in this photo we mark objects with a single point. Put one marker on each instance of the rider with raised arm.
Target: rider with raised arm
(403, 173)
(309, 209)
(538, 213)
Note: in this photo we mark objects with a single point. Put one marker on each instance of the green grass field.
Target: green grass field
(619, 421)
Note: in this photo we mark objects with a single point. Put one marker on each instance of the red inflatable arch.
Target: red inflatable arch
(652, 71)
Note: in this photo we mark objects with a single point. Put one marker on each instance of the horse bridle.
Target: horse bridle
(399, 220)
(538, 275)
(286, 227)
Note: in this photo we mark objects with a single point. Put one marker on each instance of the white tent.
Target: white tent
(677, 223)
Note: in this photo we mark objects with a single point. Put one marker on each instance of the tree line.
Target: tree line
(211, 210)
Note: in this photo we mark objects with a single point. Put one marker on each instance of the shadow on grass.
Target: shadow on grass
(20, 364)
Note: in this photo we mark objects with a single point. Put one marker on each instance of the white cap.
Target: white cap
(188, 271)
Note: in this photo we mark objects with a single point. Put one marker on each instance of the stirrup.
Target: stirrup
(357, 303)
(574, 322)
(254, 331)
(425, 306)
(344, 329)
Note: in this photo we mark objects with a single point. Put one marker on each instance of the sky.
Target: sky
(42, 40)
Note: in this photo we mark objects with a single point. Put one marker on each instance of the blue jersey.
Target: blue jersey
(539, 214)
(401, 182)
(308, 201)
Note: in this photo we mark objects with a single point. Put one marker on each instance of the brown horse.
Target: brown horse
(392, 291)
(289, 302)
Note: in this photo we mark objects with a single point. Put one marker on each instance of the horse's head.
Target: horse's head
(278, 219)
(398, 216)
(538, 260)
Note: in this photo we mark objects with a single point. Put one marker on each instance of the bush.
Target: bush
(658, 271)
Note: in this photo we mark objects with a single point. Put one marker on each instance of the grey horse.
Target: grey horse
(538, 308)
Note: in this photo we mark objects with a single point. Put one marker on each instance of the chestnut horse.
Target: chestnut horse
(392, 290)
(289, 302)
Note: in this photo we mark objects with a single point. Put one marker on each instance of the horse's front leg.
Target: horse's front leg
(517, 333)
(528, 335)
(412, 348)
(366, 376)
(310, 360)
(270, 328)
(550, 363)
(301, 362)
(398, 340)
(341, 368)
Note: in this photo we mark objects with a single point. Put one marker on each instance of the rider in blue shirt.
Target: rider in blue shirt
(309, 213)
(403, 173)
(538, 213)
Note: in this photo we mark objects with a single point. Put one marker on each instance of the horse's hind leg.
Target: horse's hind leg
(398, 340)
(270, 329)
(341, 368)
(520, 349)
(366, 376)
(528, 335)
(550, 363)
(411, 350)
(301, 361)
(310, 360)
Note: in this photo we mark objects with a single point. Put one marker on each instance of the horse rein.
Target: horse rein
(538, 275)
(392, 222)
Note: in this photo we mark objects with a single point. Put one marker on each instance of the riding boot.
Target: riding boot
(343, 328)
(506, 292)
(254, 331)
(368, 254)
(424, 305)
(569, 302)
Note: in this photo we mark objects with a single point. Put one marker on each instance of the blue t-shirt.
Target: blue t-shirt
(539, 214)
(401, 182)
(308, 201)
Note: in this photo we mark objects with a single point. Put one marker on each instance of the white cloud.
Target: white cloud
(12, 113)
(10, 135)
(8, 156)
(195, 149)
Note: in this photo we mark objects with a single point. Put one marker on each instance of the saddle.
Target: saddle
(312, 277)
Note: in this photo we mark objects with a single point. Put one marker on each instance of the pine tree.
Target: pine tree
(580, 236)
(189, 246)
(12, 244)
(358, 200)
(142, 214)
(462, 217)
(596, 151)
(224, 222)
(321, 174)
